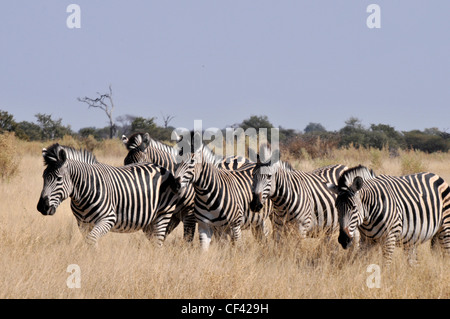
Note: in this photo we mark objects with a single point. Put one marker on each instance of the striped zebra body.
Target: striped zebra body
(142, 148)
(391, 210)
(222, 197)
(106, 198)
(330, 173)
(297, 196)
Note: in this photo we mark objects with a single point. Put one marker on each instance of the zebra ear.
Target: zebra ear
(62, 156)
(333, 188)
(357, 184)
(124, 140)
(146, 139)
(49, 156)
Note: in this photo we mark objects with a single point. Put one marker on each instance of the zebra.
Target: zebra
(222, 197)
(390, 210)
(142, 148)
(107, 198)
(330, 173)
(298, 197)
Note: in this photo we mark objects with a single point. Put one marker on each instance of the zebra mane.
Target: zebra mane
(347, 177)
(268, 160)
(136, 141)
(52, 155)
(285, 166)
(162, 147)
(208, 156)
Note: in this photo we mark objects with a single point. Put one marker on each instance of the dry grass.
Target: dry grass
(36, 251)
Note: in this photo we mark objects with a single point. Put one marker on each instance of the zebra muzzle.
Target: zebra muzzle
(255, 204)
(44, 207)
(345, 239)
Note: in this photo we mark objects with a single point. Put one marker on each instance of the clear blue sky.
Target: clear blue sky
(296, 61)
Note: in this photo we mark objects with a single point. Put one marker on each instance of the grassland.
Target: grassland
(36, 250)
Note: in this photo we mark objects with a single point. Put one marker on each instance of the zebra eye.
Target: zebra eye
(59, 178)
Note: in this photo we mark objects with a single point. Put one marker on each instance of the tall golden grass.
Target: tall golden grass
(36, 250)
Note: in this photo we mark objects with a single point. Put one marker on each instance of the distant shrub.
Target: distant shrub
(111, 147)
(69, 140)
(377, 157)
(9, 157)
(90, 143)
(411, 163)
(310, 146)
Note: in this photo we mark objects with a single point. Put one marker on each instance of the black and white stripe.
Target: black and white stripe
(141, 148)
(297, 196)
(391, 210)
(222, 200)
(330, 173)
(106, 198)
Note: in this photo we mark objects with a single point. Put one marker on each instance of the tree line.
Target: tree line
(314, 138)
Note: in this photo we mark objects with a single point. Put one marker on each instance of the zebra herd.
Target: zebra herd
(158, 187)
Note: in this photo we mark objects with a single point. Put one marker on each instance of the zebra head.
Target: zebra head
(57, 182)
(263, 175)
(136, 146)
(189, 168)
(348, 202)
(185, 172)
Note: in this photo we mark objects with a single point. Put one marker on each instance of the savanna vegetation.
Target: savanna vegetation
(36, 250)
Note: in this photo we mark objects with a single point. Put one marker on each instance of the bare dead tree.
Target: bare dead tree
(166, 119)
(105, 103)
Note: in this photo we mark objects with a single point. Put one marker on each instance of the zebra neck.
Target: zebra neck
(163, 147)
(281, 185)
(369, 199)
(86, 183)
(207, 182)
(161, 158)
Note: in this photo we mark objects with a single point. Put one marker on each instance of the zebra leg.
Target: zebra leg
(174, 221)
(158, 228)
(388, 247)
(85, 228)
(99, 229)
(205, 233)
(236, 233)
(443, 237)
(189, 223)
(279, 228)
